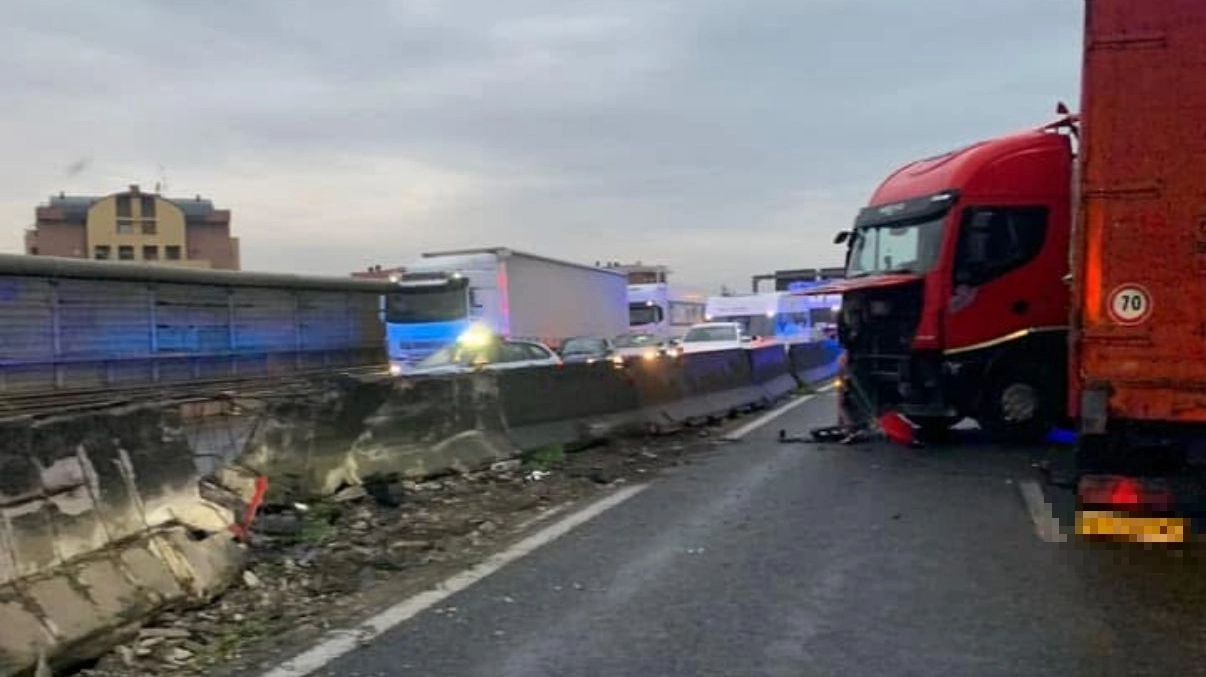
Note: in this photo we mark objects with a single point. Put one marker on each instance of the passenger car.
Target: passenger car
(462, 357)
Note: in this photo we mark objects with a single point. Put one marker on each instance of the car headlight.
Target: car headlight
(475, 336)
(395, 370)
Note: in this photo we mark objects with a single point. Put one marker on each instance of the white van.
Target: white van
(712, 336)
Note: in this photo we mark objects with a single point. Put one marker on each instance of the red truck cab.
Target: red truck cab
(955, 302)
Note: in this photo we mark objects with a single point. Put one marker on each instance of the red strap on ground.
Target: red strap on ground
(253, 507)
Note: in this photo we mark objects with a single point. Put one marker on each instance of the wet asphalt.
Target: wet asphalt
(765, 558)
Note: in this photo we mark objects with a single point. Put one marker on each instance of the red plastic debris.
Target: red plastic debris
(897, 429)
(253, 507)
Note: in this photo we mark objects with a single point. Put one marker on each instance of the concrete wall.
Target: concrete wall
(355, 430)
(101, 523)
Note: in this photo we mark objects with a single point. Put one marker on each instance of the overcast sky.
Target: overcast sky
(721, 137)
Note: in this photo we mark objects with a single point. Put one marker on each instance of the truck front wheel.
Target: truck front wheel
(1017, 408)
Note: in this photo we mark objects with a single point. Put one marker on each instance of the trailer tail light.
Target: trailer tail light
(1123, 494)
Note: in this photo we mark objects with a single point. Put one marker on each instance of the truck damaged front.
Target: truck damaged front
(955, 303)
(889, 338)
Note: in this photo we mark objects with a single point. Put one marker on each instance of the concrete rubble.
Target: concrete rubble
(102, 522)
(327, 564)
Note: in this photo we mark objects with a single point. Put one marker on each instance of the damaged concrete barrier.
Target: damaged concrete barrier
(302, 442)
(346, 431)
(101, 524)
(679, 389)
(814, 362)
(349, 431)
(771, 371)
(567, 404)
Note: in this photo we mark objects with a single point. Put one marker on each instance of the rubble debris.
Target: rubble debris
(165, 633)
(349, 494)
(332, 563)
(506, 466)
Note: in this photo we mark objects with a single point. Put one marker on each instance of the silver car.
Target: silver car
(647, 346)
(459, 358)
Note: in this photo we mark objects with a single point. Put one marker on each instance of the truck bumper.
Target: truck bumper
(923, 385)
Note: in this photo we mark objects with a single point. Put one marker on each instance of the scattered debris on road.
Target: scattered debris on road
(323, 565)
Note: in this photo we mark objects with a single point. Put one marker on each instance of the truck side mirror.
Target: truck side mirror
(841, 237)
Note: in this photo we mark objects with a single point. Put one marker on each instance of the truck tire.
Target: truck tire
(1017, 406)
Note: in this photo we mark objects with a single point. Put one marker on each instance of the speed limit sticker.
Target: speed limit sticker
(1130, 304)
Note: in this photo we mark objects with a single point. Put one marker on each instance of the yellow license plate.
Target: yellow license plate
(1135, 529)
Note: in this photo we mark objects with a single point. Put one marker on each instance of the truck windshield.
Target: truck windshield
(909, 246)
(427, 304)
(641, 313)
(752, 325)
(703, 334)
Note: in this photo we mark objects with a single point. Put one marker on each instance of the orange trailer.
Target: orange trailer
(1137, 366)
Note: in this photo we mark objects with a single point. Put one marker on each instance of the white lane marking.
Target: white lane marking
(339, 642)
(771, 415)
(540, 517)
(1045, 524)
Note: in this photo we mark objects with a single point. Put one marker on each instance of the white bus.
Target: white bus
(782, 317)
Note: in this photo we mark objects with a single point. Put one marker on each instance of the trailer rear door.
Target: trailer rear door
(1140, 245)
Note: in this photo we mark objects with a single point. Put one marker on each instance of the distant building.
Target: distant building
(135, 226)
(638, 273)
(378, 272)
(783, 279)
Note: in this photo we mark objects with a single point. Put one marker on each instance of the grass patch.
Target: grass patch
(544, 458)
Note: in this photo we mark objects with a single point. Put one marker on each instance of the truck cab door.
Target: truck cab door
(1000, 285)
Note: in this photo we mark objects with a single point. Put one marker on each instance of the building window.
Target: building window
(125, 252)
(125, 227)
(150, 252)
(172, 252)
(147, 207)
(102, 252)
(148, 227)
(123, 206)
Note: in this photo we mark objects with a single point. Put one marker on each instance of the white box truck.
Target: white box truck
(514, 294)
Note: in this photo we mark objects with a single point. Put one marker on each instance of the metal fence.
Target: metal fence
(69, 324)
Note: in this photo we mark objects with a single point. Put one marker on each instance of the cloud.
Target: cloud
(724, 139)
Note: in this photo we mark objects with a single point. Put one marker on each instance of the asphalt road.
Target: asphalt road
(765, 558)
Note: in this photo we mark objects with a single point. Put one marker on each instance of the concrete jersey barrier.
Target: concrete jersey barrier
(101, 523)
(383, 429)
